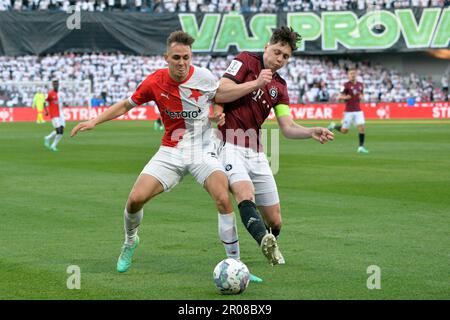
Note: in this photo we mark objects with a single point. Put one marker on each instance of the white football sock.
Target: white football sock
(228, 235)
(56, 141)
(51, 135)
(131, 224)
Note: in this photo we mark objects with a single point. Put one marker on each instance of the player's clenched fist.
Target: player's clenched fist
(264, 78)
(217, 117)
(82, 126)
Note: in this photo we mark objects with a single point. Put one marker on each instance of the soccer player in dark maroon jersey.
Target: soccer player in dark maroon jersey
(352, 93)
(249, 89)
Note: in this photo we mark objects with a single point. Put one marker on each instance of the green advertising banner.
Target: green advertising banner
(413, 29)
(325, 32)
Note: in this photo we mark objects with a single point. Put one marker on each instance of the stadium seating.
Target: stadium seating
(115, 76)
(268, 6)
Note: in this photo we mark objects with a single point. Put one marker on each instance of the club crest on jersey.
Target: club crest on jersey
(273, 92)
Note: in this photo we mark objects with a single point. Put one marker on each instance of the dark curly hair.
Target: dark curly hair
(181, 37)
(286, 35)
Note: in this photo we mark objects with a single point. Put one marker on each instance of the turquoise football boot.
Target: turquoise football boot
(126, 256)
(254, 278)
(363, 150)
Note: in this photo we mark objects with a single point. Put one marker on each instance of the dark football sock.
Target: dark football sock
(338, 127)
(361, 139)
(275, 231)
(252, 220)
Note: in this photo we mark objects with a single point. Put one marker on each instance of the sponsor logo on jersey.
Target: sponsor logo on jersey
(183, 114)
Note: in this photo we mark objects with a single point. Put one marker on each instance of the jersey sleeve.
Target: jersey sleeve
(238, 68)
(284, 97)
(209, 83)
(143, 93)
(213, 84)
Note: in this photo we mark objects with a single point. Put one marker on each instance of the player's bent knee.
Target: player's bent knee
(223, 202)
(136, 201)
(223, 198)
(243, 195)
(243, 190)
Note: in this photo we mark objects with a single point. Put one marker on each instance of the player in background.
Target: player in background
(249, 89)
(57, 116)
(183, 94)
(352, 93)
(39, 105)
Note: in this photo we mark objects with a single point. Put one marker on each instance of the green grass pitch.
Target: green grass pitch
(342, 212)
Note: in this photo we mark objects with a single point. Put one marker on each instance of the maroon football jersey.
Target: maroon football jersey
(354, 90)
(248, 113)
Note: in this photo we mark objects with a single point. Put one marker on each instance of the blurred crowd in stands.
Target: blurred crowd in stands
(114, 76)
(267, 6)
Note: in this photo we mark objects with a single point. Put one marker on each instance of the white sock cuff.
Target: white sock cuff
(227, 218)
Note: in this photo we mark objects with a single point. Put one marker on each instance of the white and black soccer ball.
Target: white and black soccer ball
(231, 276)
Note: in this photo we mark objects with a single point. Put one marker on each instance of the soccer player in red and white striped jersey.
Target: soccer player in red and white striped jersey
(183, 94)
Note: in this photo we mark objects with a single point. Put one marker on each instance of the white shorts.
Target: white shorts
(58, 122)
(354, 117)
(245, 164)
(170, 165)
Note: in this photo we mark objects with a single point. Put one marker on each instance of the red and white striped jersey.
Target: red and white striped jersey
(184, 106)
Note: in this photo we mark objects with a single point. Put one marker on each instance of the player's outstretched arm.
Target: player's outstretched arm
(116, 110)
(291, 130)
